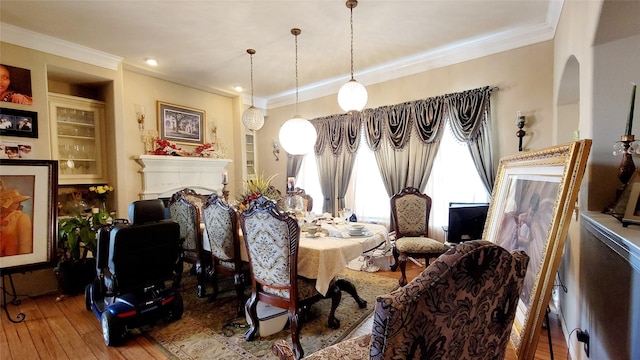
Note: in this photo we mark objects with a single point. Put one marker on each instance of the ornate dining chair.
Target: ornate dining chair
(221, 226)
(461, 307)
(272, 239)
(185, 209)
(410, 210)
(298, 198)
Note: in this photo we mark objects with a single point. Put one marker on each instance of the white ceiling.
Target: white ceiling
(203, 43)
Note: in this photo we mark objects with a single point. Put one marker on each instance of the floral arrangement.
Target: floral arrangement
(101, 190)
(166, 147)
(253, 189)
(206, 150)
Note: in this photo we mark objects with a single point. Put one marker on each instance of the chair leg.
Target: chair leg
(252, 309)
(239, 285)
(402, 261)
(295, 335)
(336, 296)
(214, 284)
(395, 258)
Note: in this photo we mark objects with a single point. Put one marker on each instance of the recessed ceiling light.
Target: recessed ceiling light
(151, 62)
(238, 88)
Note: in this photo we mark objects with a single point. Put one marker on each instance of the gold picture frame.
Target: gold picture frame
(532, 201)
(180, 124)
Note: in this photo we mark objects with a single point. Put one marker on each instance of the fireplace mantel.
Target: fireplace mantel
(162, 176)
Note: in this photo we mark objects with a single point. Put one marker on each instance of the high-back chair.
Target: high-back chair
(410, 210)
(185, 209)
(461, 307)
(221, 226)
(298, 197)
(272, 239)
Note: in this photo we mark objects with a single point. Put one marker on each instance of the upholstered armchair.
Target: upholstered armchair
(410, 210)
(221, 226)
(272, 239)
(185, 209)
(461, 307)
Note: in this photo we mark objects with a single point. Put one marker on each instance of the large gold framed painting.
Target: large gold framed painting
(532, 202)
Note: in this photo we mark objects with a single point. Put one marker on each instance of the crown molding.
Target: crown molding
(36, 41)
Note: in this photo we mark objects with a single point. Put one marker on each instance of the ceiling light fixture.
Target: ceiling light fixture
(352, 96)
(297, 135)
(151, 62)
(252, 118)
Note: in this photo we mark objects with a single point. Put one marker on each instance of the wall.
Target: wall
(596, 297)
(41, 281)
(146, 91)
(524, 76)
(121, 90)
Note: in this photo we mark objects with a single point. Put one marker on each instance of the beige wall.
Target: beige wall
(524, 76)
(147, 91)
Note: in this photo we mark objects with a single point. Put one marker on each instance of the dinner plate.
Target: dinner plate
(313, 235)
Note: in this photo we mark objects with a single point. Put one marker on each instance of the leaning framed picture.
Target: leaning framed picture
(28, 197)
(532, 201)
(632, 212)
(18, 123)
(181, 124)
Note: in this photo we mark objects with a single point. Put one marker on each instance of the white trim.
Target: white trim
(45, 43)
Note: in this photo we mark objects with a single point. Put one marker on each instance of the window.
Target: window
(454, 178)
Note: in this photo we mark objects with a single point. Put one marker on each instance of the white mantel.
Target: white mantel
(162, 176)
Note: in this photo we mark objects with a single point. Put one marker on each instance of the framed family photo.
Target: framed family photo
(28, 197)
(533, 198)
(181, 124)
(18, 123)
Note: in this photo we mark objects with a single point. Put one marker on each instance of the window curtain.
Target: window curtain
(338, 140)
(294, 162)
(469, 112)
(405, 139)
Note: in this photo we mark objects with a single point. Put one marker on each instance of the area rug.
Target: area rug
(210, 330)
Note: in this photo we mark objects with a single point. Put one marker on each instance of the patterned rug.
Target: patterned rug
(207, 331)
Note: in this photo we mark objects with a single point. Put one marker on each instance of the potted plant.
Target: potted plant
(76, 239)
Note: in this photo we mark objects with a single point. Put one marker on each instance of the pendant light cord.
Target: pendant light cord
(296, 36)
(351, 21)
(251, 57)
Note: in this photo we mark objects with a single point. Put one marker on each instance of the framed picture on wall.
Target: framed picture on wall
(28, 197)
(18, 123)
(18, 82)
(181, 124)
(532, 202)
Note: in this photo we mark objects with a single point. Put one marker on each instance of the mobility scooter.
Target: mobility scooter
(138, 265)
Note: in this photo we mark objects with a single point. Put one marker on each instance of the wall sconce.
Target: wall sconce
(140, 115)
(520, 122)
(276, 149)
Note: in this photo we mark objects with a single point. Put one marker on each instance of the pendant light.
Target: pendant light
(297, 135)
(252, 118)
(352, 96)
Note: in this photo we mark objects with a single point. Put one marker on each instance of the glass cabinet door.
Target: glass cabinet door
(250, 155)
(77, 138)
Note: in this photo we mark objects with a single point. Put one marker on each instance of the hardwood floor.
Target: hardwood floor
(66, 330)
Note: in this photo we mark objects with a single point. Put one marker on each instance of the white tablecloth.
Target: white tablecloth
(324, 257)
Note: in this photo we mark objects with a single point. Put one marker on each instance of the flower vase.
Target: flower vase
(103, 205)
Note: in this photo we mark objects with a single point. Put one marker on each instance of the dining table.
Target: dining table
(322, 256)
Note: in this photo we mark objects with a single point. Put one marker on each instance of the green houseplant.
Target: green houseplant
(76, 239)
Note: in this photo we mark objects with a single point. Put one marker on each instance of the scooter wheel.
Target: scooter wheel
(177, 308)
(112, 329)
(88, 301)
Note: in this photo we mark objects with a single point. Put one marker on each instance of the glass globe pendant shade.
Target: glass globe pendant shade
(298, 136)
(352, 96)
(252, 118)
